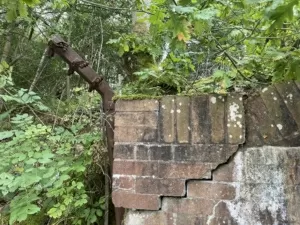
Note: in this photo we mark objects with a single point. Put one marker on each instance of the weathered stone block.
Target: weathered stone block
(127, 199)
(291, 96)
(168, 111)
(210, 190)
(224, 173)
(123, 151)
(199, 207)
(135, 134)
(146, 218)
(254, 137)
(278, 111)
(210, 153)
(160, 169)
(138, 168)
(261, 122)
(183, 119)
(123, 182)
(201, 123)
(142, 152)
(165, 187)
(217, 118)
(235, 119)
(136, 119)
(185, 170)
(136, 105)
(161, 152)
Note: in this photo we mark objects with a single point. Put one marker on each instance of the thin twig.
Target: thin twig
(90, 3)
(235, 65)
(240, 41)
(101, 45)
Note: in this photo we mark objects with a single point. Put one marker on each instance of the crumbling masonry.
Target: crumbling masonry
(210, 159)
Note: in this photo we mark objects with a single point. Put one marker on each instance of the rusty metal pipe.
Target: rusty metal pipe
(76, 63)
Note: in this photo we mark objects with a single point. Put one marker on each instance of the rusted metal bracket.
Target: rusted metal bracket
(76, 63)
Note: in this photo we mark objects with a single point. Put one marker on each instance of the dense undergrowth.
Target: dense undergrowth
(53, 159)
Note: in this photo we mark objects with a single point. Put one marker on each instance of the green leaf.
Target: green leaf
(6, 114)
(183, 9)
(22, 9)
(6, 134)
(206, 14)
(99, 213)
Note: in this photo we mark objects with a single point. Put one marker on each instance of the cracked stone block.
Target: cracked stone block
(210, 190)
(210, 153)
(195, 206)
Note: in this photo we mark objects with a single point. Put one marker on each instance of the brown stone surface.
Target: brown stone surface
(204, 153)
(135, 134)
(138, 168)
(160, 169)
(278, 111)
(217, 115)
(200, 207)
(261, 122)
(200, 120)
(210, 190)
(290, 95)
(235, 122)
(146, 218)
(136, 119)
(141, 152)
(161, 152)
(255, 185)
(253, 135)
(183, 119)
(168, 114)
(127, 199)
(124, 182)
(136, 105)
(185, 170)
(224, 173)
(123, 151)
(165, 187)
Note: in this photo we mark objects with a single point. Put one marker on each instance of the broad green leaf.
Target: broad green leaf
(206, 14)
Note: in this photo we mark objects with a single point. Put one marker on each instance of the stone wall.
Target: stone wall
(210, 159)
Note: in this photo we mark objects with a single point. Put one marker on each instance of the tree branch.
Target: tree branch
(90, 3)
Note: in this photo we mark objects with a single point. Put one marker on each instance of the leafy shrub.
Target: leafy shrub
(45, 168)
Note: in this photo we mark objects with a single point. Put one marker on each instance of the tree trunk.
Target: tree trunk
(7, 46)
(5, 55)
(39, 70)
